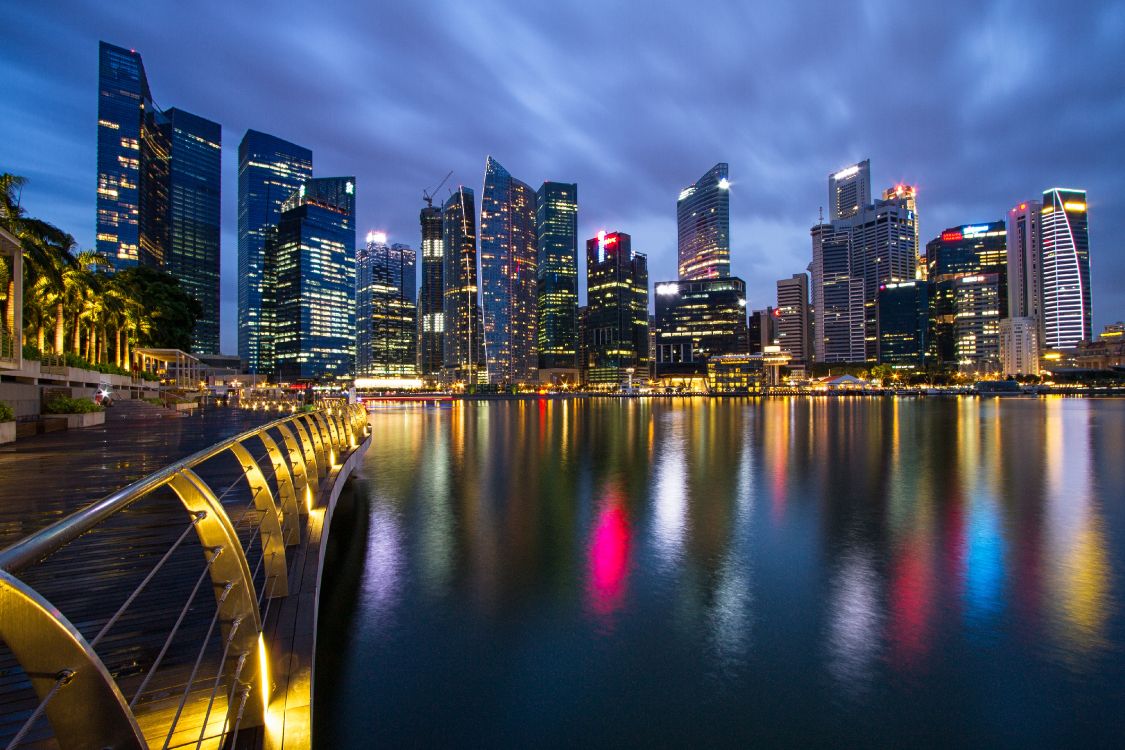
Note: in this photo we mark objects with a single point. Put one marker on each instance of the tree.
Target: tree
(169, 312)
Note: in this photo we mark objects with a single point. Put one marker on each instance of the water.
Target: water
(802, 572)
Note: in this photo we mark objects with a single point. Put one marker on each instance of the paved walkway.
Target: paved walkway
(47, 476)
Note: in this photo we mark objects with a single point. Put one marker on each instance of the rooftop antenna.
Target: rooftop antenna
(821, 220)
(428, 195)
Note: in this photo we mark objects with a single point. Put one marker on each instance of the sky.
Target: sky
(981, 105)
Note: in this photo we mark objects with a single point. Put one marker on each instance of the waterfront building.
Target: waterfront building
(703, 226)
(735, 373)
(977, 308)
(904, 324)
(849, 190)
(463, 364)
(794, 324)
(1065, 242)
(762, 330)
(132, 190)
(431, 297)
(1019, 346)
(312, 257)
(386, 315)
(270, 170)
(194, 206)
(909, 193)
(508, 259)
(961, 252)
(838, 297)
(617, 316)
(557, 268)
(696, 320)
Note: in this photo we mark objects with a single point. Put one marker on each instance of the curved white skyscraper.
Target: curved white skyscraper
(1065, 242)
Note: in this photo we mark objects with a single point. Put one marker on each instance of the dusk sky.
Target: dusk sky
(981, 105)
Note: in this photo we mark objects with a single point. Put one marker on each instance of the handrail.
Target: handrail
(80, 697)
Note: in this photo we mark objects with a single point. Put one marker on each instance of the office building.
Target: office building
(1019, 345)
(838, 297)
(508, 257)
(970, 250)
(703, 226)
(463, 366)
(762, 330)
(312, 257)
(849, 190)
(194, 204)
(386, 313)
(794, 325)
(557, 330)
(270, 171)
(909, 194)
(617, 315)
(1025, 276)
(696, 320)
(977, 308)
(904, 324)
(133, 152)
(431, 297)
(1065, 242)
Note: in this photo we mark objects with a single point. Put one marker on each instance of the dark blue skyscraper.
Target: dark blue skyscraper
(431, 298)
(386, 314)
(270, 171)
(132, 197)
(557, 220)
(463, 366)
(312, 258)
(194, 198)
(703, 222)
(508, 250)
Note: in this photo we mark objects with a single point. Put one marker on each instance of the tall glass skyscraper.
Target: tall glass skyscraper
(431, 298)
(463, 360)
(508, 259)
(194, 202)
(270, 170)
(1025, 276)
(312, 256)
(1067, 316)
(849, 190)
(133, 152)
(703, 226)
(617, 342)
(694, 321)
(557, 221)
(386, 315)
(838, 302)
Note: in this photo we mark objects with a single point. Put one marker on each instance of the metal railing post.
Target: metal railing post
(303, 463)
(269, 529)
(287, 493)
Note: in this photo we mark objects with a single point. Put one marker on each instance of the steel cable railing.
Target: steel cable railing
(227, 534)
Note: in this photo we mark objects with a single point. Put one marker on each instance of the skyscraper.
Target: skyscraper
(617, 316)
(132, 196)
(557, 228)
(838, 299)
(270, 170)
(194, 201)
(386, 314)
(849, 190)
(1067, 317)
(312, 256)
(508, 259)
(909, 193)
(793, 323)
(703, 226)
(904, 324)
(431, 298)
(1025, 277)
(463, 363)
(694, 321)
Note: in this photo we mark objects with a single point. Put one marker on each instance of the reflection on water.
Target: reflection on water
(728, 570)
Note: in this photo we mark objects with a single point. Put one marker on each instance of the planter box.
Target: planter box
(7, 432)
(78, 421)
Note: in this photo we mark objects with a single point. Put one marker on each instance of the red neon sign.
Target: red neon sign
(610, 240)
(952, 236)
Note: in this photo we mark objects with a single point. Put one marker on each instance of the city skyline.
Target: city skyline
(628, 179)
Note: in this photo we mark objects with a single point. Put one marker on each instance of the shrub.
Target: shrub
(6, 413)
(64, 405)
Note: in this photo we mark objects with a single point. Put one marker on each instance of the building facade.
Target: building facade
(696, 320)
(509, 252)
(849, 190)
(794, 325)
(463, 361)
(431, 297)
(617, 314)
(1065, 242)
(194, 208)
(386, 314)
(1019, 346)
(312, 258)
(909, 194)
(977, 306)
(270, 171)
(838, 297)
(904, 324)
(557, 230)
(703, 226)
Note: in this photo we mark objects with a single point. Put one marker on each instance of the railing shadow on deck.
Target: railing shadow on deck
(107, 635)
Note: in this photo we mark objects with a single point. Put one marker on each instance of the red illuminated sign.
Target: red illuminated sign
(953, 236)
(610, 239)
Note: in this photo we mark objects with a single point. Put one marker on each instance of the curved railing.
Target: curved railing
(101, 612)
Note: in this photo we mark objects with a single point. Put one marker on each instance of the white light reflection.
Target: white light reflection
(670, 503)
(382, 581)
(856, 622)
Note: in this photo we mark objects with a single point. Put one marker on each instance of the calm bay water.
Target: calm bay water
(830, 572)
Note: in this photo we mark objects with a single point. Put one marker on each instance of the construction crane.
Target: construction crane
(428, 195)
